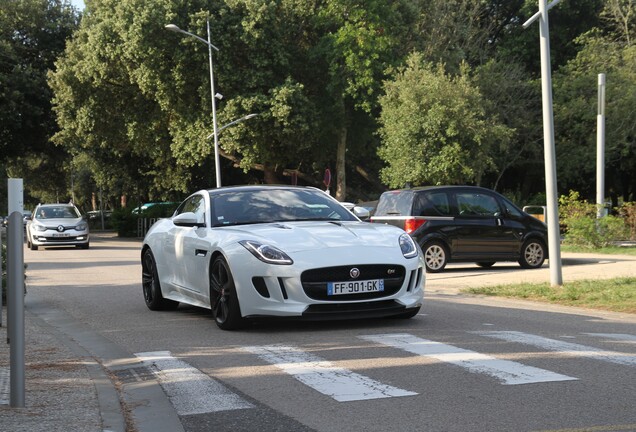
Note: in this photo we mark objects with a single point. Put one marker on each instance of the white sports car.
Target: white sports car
(254, 251)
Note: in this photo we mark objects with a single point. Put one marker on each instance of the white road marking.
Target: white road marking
(508, 372)
(618, 336)
(339, 383)
(563, 347)
(190, 391)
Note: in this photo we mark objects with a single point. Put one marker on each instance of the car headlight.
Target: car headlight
(81, 227)
(407, 245)
(38, 227)
(266, 253)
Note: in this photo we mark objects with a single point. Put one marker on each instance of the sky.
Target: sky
(78, 4)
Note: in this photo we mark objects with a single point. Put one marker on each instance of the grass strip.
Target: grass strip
(617, 295)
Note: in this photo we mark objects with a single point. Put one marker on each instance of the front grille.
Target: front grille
(314, 282)
(60, 239)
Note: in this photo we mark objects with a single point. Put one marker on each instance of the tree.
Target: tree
(514, 99)
(32, 34)
(359, 41)
(608, 50)
(434, 129)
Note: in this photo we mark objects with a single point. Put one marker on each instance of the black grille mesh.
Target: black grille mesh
(315, 281)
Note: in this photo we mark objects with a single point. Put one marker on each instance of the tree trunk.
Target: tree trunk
(341, 181)
(269, 174)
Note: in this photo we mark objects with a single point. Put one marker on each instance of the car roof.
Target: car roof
(441, 187)
(258, 187)
(56, 205)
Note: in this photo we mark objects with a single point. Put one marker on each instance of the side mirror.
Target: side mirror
(361, 212)
(188, 219)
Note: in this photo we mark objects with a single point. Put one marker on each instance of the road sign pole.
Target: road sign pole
(15, 304)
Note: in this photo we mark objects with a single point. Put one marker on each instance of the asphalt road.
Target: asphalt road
(464, 364)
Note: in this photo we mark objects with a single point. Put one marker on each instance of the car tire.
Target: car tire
(533, 253)
(435, 256)
(485, 264)
(224, 301)
(84, 246)
(151, 286)
(32, 246)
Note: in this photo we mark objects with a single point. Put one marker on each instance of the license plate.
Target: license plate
(355, 287)
(61, 235)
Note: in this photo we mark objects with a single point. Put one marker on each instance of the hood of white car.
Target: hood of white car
(313, 235)
(54, 222)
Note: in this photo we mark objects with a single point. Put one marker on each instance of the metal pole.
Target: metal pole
(554, 237)
(15, 285)
(600, 148)
(217, 161)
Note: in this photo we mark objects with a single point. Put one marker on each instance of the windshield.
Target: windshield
(274, 205)
(57, 212)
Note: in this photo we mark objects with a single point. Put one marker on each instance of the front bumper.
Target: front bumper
(47, 239)
(268, 290)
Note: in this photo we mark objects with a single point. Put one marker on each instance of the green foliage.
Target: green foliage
(32, 35)
(124, 222)
(628, 212)
(582, 228)
(576, 107)
(132, 100)
(434, 129)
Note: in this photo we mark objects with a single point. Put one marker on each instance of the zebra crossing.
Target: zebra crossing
(193, 392)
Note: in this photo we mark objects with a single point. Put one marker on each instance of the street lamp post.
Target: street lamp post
(217, 160)
(247, 117)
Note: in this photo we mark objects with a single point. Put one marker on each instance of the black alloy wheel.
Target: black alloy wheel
(223, 299)
(151, 286)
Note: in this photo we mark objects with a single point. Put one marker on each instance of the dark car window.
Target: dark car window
(512, 209)
(431, 204)
(269, 205)
(473, 204)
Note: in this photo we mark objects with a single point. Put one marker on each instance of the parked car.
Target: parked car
(57, 225)
(464, 224)
(156, 209)
(284, 251)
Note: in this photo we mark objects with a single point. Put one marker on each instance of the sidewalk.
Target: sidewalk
(60, 394)
(67, 389)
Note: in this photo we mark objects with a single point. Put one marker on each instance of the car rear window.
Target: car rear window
(398, 203)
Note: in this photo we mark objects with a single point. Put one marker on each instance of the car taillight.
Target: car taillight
(411, 224)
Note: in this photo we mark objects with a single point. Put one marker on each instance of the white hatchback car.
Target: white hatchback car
(57, 225)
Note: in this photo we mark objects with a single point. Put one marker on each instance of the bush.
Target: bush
(628, 212)
(581, 226)
(124, 222)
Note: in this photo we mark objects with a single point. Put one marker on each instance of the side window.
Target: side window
(194, 204)
(511, 209)
(474, 204)
(431, 204)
